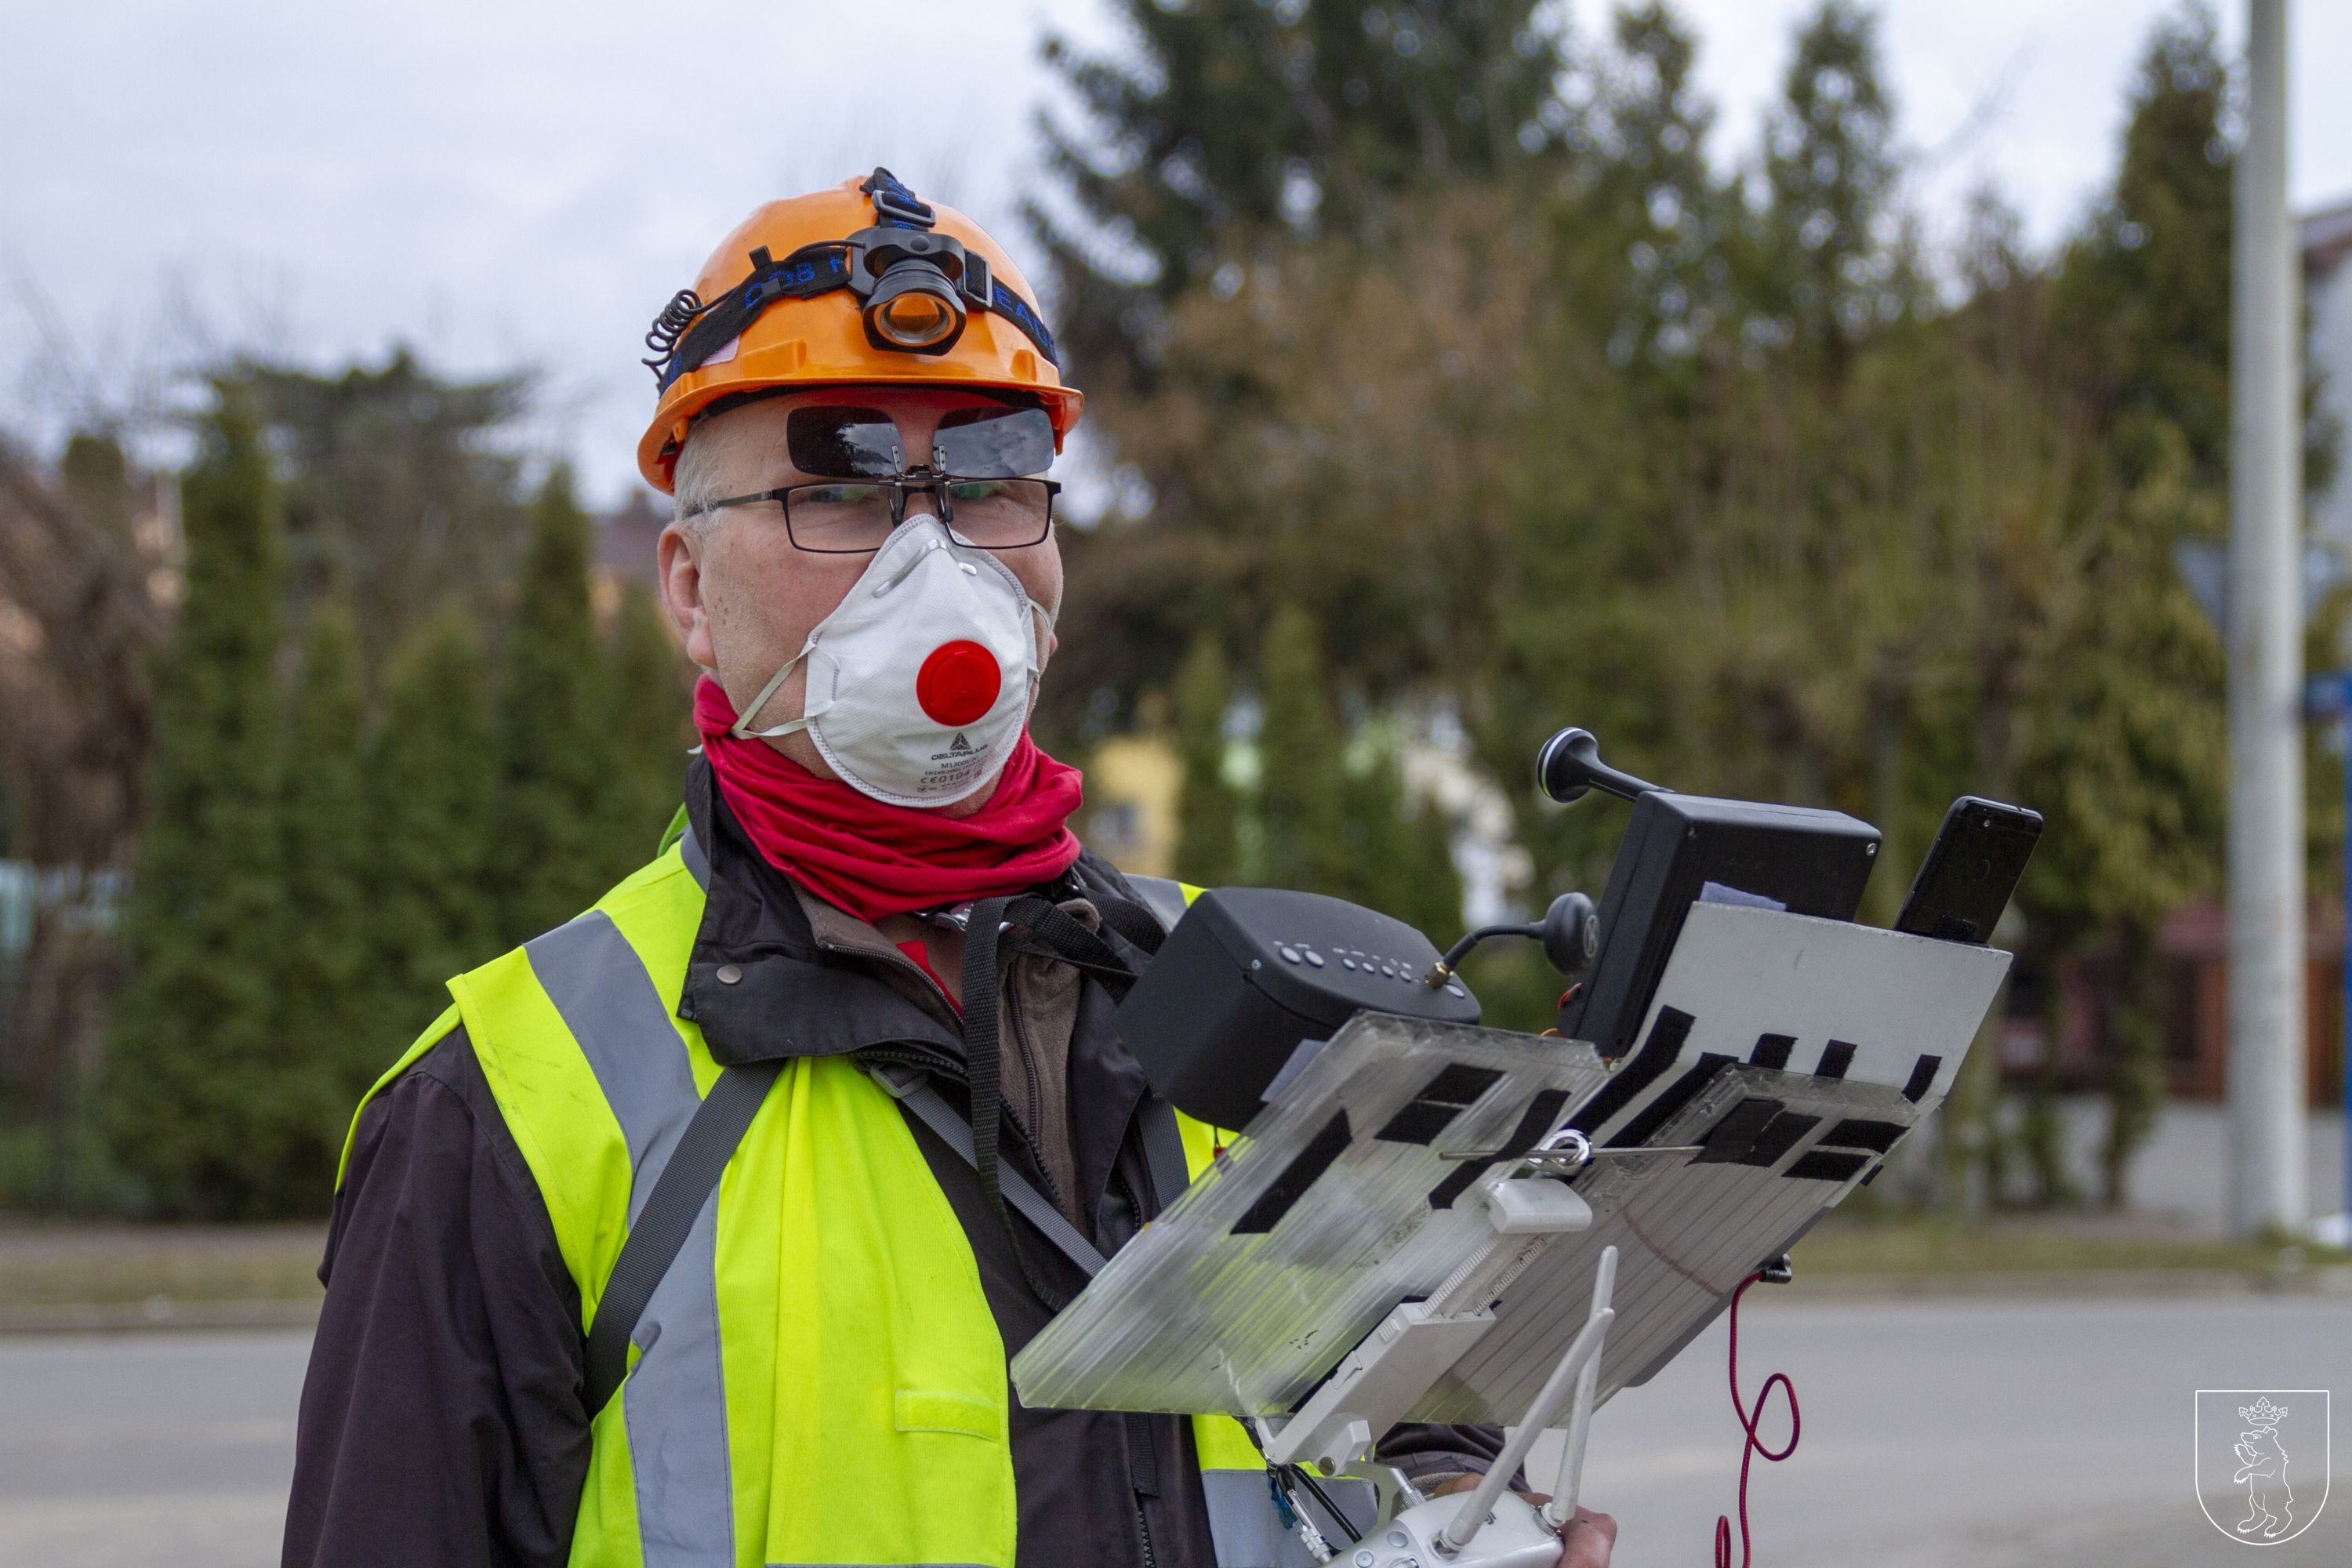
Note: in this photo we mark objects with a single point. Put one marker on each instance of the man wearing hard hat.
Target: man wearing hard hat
(697, 1232)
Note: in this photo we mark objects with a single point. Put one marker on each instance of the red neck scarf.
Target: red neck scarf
(874, 859)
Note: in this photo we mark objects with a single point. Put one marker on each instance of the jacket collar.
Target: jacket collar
(758, 981)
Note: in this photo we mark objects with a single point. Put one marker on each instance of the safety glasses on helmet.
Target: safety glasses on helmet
(982, 479)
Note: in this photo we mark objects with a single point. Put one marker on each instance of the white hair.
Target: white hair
(709, 465)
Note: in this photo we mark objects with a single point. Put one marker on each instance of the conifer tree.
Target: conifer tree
(545, 858)
(1301, 799)
(2130, 760)
(1830, 168)
(324, 996)
(432, 775)
(401, 486)
(1208, 810)
(2146, 286)
(1235, 116)
(1434, 907)
(1653, 198)
(1390, 865)
(203, 1103)
(646, 701)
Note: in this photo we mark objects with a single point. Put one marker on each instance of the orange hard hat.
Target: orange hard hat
(861, 283)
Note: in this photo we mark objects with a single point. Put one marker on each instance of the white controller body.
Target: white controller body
(1514, 1536)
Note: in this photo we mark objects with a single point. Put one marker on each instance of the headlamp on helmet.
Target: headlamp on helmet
(913, 285)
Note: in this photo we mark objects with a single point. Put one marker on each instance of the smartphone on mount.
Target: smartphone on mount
(1970, 871)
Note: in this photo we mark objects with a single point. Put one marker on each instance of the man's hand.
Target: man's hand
(1585, 1543)
(1587, 1540)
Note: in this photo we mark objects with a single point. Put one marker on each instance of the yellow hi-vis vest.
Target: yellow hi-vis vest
(818, 1379)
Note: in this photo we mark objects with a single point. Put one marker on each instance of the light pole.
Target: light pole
(2265, 629)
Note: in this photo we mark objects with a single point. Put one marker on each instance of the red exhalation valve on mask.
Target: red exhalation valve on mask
(958, 683)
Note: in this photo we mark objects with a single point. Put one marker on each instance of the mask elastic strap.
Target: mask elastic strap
(742, 733)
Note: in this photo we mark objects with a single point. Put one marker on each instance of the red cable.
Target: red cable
(1750, 1446)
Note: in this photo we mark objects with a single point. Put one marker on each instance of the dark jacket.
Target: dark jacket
(442, 1420)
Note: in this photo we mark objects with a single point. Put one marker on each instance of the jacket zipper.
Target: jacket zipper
(914, 1056)
(897, 959)
(1028, 1059)
(1036, 1099)
(1143, 1534)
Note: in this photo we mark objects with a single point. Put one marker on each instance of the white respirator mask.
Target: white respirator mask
(920, 682)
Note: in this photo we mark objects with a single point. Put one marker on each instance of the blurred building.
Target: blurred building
(1496, 873)
(2071, 1006)
(2326, 243)
(2195, 942)
(1132, 785)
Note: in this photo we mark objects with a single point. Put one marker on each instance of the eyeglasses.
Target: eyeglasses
(981, 485)
(854, 517)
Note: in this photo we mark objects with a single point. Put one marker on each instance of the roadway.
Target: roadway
(1980, 1433)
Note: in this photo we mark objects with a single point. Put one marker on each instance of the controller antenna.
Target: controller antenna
(1570, 764)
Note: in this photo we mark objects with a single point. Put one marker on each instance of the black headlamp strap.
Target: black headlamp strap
(896, 206)
(811, 270)
(1023, 315)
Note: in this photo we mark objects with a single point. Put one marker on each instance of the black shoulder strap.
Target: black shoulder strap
(1164, 1149)
(914, 1091)
(685, 1185)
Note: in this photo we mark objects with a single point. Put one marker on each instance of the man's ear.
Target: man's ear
(681, 585)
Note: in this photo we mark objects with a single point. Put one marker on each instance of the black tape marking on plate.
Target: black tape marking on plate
(1862, 1132)
(1784, 1133)
(1826, 1165)
(1736, 1131)
(1645, 1122)
(1922, 1078)
(1645, 1067)
(1297, 1178)
(1455, 1089)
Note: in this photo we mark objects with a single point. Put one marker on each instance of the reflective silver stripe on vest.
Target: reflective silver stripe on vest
(1164, 897)
(698, 864)
(608, 1002)
(1248, 1533)
(675, 1399)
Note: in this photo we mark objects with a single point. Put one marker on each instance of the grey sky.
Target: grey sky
(528, 181)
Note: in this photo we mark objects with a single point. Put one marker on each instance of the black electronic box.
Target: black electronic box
(1250, 972)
